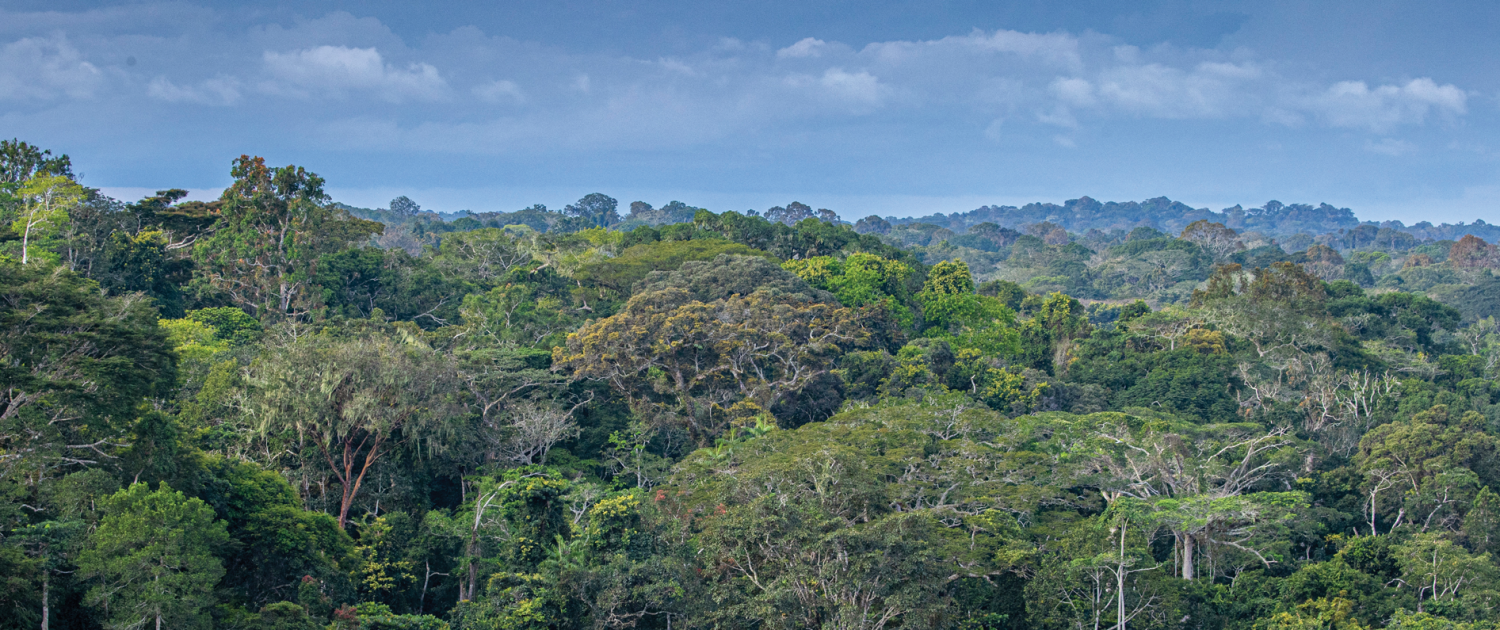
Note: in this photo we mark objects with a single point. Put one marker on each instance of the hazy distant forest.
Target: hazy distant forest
(276, 411)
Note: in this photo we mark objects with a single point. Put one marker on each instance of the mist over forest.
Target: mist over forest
(274, 410)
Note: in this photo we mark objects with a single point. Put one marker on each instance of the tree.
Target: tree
(692, 360)
(1201, 481)
(1433, 463)
(1472, 252)
(734, 274)
(404, 207)
(1439, 570)
(1217, 240)
(872, 224)
(143, 263)
(275, 224)
(860, 280)
(74, 367)
(952, 309)
(278, 542)
(348, 403)
(45, 201)
(595, 209)
(791, 214)
(20, 161)
(154, 556)
(52, 543)
(1481, 526)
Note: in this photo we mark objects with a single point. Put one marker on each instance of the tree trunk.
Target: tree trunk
(1120, 582)
(473, 579)
(25, 241)
(46, 582)
(1187, 557)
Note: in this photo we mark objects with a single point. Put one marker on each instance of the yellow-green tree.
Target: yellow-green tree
(45, 201)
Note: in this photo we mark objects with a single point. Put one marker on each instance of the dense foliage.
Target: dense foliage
(276, 411)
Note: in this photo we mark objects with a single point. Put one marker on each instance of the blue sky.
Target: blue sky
(892, 108)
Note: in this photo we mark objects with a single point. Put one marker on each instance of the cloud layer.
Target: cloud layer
(477, 93)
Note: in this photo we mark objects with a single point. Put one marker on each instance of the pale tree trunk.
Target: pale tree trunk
(1120, 581)
(26, 240)
(1187, 557)
(46, 582)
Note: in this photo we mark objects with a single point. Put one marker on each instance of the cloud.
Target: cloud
(1355, 104)
(45, 68)
(1073, 91)
(499, 92)
(1059, 49)
(807, 47)
(861, 87)
(339, 70)
(220, 90)
(1208, 90)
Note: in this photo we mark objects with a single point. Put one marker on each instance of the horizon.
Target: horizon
(896, 109)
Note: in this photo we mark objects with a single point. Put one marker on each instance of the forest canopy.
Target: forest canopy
(274, 410)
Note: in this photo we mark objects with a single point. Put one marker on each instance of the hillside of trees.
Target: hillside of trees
(275, 411)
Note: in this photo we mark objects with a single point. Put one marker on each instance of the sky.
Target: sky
(896, 108)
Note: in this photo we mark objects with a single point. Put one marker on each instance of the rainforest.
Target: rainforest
(274, 410)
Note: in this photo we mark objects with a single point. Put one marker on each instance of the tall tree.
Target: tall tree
(74, 367)
(405, 207)
(348, 403)
(693, 360)
(274, 225)
(595, 209)
(1213, 237)
(20, 161)
(45, 201)
(153, 555)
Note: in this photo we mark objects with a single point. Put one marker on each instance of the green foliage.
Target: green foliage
(683, 419)
(355, 401)
(635, 263)
(861, 280)
(153, 554)
(43, 214)
(733, 274)
(953, 311)
(75, 367)
(274, 226)
(142, 263)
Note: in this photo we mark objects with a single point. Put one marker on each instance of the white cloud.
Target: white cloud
(807, 47)
(1355, 104)
(1207, 90)
(220, 90)
(338, 70)
(44, 68)
(980, 51)
(1052, 48)
(860, 87)
(1073, 91)
(499, 92)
